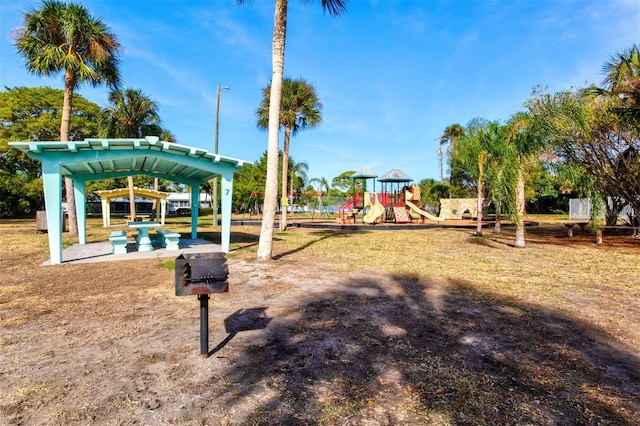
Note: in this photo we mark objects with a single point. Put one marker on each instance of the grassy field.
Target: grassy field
(367, 327)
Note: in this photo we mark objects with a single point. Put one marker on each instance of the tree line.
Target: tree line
(580, 141)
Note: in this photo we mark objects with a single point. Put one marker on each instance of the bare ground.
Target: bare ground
(315, 339)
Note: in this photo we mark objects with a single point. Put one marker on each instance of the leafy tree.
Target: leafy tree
(431, 191)
(591, 133)
(343, 181)
(132, 114)
(34, 114)
(334, 7)
(299, 110)
(248, 180)
(65, 37)
(543, 190)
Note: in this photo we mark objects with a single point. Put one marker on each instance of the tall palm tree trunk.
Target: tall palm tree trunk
(519, 241)
(265, 244)
(479, 207)
(154, 207)
(497, 228)
(285, 175)
(65, 124)
(132, 197)
(480, 194)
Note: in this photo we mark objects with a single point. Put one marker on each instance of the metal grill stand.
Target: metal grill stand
(201, 275)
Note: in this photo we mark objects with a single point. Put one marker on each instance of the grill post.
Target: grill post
(204, 325)
(202, 274)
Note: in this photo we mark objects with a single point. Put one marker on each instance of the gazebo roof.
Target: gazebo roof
(394, 175)
(96, 159)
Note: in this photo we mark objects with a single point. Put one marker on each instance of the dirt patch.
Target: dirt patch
(309, 339)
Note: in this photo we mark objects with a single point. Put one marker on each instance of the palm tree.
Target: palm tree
(65, 37)
(500, 170)
(323, 185)
(299, 110)
(132, 114)
(622, 79)
(485, 154)
(527, 142)
(334, 7)
(299, 170)
(450, 134)
(471, 152)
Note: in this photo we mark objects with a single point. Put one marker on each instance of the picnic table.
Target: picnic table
(570, 225)
(143, 242)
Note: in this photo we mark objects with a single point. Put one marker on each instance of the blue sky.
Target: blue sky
(391, 75)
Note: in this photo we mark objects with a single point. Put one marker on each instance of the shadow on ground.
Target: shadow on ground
(439, 354)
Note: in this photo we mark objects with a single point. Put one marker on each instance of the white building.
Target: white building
(183, 200)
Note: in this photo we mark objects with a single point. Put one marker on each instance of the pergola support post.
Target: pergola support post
(52, 180)
(81, 209)
(227, 191)
(195, 206)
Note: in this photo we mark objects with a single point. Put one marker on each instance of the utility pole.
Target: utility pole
(214, 191)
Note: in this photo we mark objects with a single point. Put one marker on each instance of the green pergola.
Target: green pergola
(97, 159)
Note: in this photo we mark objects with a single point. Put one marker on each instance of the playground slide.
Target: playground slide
(376, 210)
(345, 210)
(421, 212)
(348, 205)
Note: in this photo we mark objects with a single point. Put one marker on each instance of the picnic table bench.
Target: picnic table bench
(599, 230)
(168, 239)
(118, 242)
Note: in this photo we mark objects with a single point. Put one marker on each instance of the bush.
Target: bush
(205, 211)
(202, 211)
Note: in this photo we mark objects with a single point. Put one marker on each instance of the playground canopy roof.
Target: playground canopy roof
(394, 175)
(363, 174)
(98, 159)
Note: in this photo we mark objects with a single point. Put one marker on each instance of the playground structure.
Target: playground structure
(399, 202)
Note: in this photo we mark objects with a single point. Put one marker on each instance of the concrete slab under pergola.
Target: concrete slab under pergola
(98, 159)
